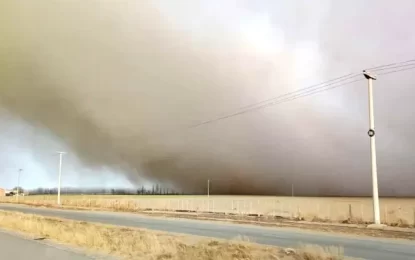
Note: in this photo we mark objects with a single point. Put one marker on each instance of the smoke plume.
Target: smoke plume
(121, 82)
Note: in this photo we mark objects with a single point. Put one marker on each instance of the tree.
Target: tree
(40, 191)
(18, 190)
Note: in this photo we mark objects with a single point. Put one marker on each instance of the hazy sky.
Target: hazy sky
(118, 83)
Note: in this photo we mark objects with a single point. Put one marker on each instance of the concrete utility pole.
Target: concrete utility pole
(371, 133)
(18, 184)
(59, 177)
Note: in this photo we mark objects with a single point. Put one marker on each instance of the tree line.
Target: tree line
(154, 190)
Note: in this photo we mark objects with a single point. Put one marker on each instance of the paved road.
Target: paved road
(17, 248)
(367, 248)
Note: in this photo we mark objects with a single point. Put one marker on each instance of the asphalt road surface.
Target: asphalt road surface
(359, 247)
(18, 248)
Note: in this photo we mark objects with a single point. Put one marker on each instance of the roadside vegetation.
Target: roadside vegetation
(140, 244)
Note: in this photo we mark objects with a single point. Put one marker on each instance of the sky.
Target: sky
(118, 85)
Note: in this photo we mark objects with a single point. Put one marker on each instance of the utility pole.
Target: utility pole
(208, 194)
(59, 177)
(371, 133)
(208, 188)
(292, 190)
(18, 185)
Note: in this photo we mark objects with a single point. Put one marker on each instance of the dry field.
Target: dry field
(394, 211)
(131, 243)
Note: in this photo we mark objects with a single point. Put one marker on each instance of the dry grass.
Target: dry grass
(311, 252)
(130, 243)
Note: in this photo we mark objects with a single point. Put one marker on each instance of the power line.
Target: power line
(319, 91)
(395, 67)
(339, 79)
(394, 71)
(390, 64)
(305, 90)
(308, 91)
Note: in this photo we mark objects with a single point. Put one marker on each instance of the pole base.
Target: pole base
(377, 226)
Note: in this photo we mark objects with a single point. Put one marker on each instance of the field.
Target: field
(394, 211)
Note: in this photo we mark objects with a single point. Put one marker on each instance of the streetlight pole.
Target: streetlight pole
(18, 185)
(59, 177)
(371, 133)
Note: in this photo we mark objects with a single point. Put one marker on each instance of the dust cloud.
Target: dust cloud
(122, 82)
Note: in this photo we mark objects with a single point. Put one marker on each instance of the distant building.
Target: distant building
(4, 192)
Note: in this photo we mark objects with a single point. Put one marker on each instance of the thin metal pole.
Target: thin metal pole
(208, 188)
(292, 190)
(371, 133)
(18, 185)
(208, 194)
(59, 177)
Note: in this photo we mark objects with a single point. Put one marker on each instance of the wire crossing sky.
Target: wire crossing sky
(313, 89)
